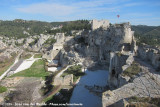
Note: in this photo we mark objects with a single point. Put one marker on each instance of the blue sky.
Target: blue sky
(145, 12)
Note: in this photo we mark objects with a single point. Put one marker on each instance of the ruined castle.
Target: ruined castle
(110, 46)
(115, 46)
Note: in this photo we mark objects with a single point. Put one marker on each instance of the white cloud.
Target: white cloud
(72, 9)
(94, 3)
(138, 14)
(133, 4)
(47, 9)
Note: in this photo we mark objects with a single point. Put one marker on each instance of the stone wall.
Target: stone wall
(149, 54)
(67, 80)
(100, 23)
(60, 38)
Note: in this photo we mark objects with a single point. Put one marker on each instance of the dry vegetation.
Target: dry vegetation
(143, 102)
(134, 69)
(25, 55)
(5, 63)
(3, 89)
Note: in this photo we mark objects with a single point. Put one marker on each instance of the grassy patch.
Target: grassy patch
(119, 54)
(134, 69)
(50, 41)
(36, 70)
(3, 89)
(38, 56)
(5, 65)
(75, 70)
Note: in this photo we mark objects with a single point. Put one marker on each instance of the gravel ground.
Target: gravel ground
(27, 91)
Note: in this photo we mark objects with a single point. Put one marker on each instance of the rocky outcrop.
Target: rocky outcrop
(118, 63)
(63, 50)
(55, 54)
(2, 45)
(8, 53)
(20, 41)
(146, 85)
(150, 54)
(66, 80)
(69, 58)
(99, 43)
(39, 42)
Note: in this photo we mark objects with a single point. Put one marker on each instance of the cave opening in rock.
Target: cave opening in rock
(113, 71)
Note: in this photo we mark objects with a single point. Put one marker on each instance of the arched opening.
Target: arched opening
(56, 49)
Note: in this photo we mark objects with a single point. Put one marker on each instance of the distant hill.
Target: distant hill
(141, 29)
(18, 28)
(21, 28)
(147, 34)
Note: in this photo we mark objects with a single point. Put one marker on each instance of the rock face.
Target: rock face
(63, 50)
(7, 53)
(118, 63)
(20, 41)
(67, 80)
(150, 54)
(2, 45)
(147, 85)
(41, 39)
(99, 43)
(54, 53)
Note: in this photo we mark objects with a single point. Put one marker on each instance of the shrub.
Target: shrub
(75, 70)
(134, 69)
(3, 89)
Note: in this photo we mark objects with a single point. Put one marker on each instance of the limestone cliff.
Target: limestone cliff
(113, 46)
